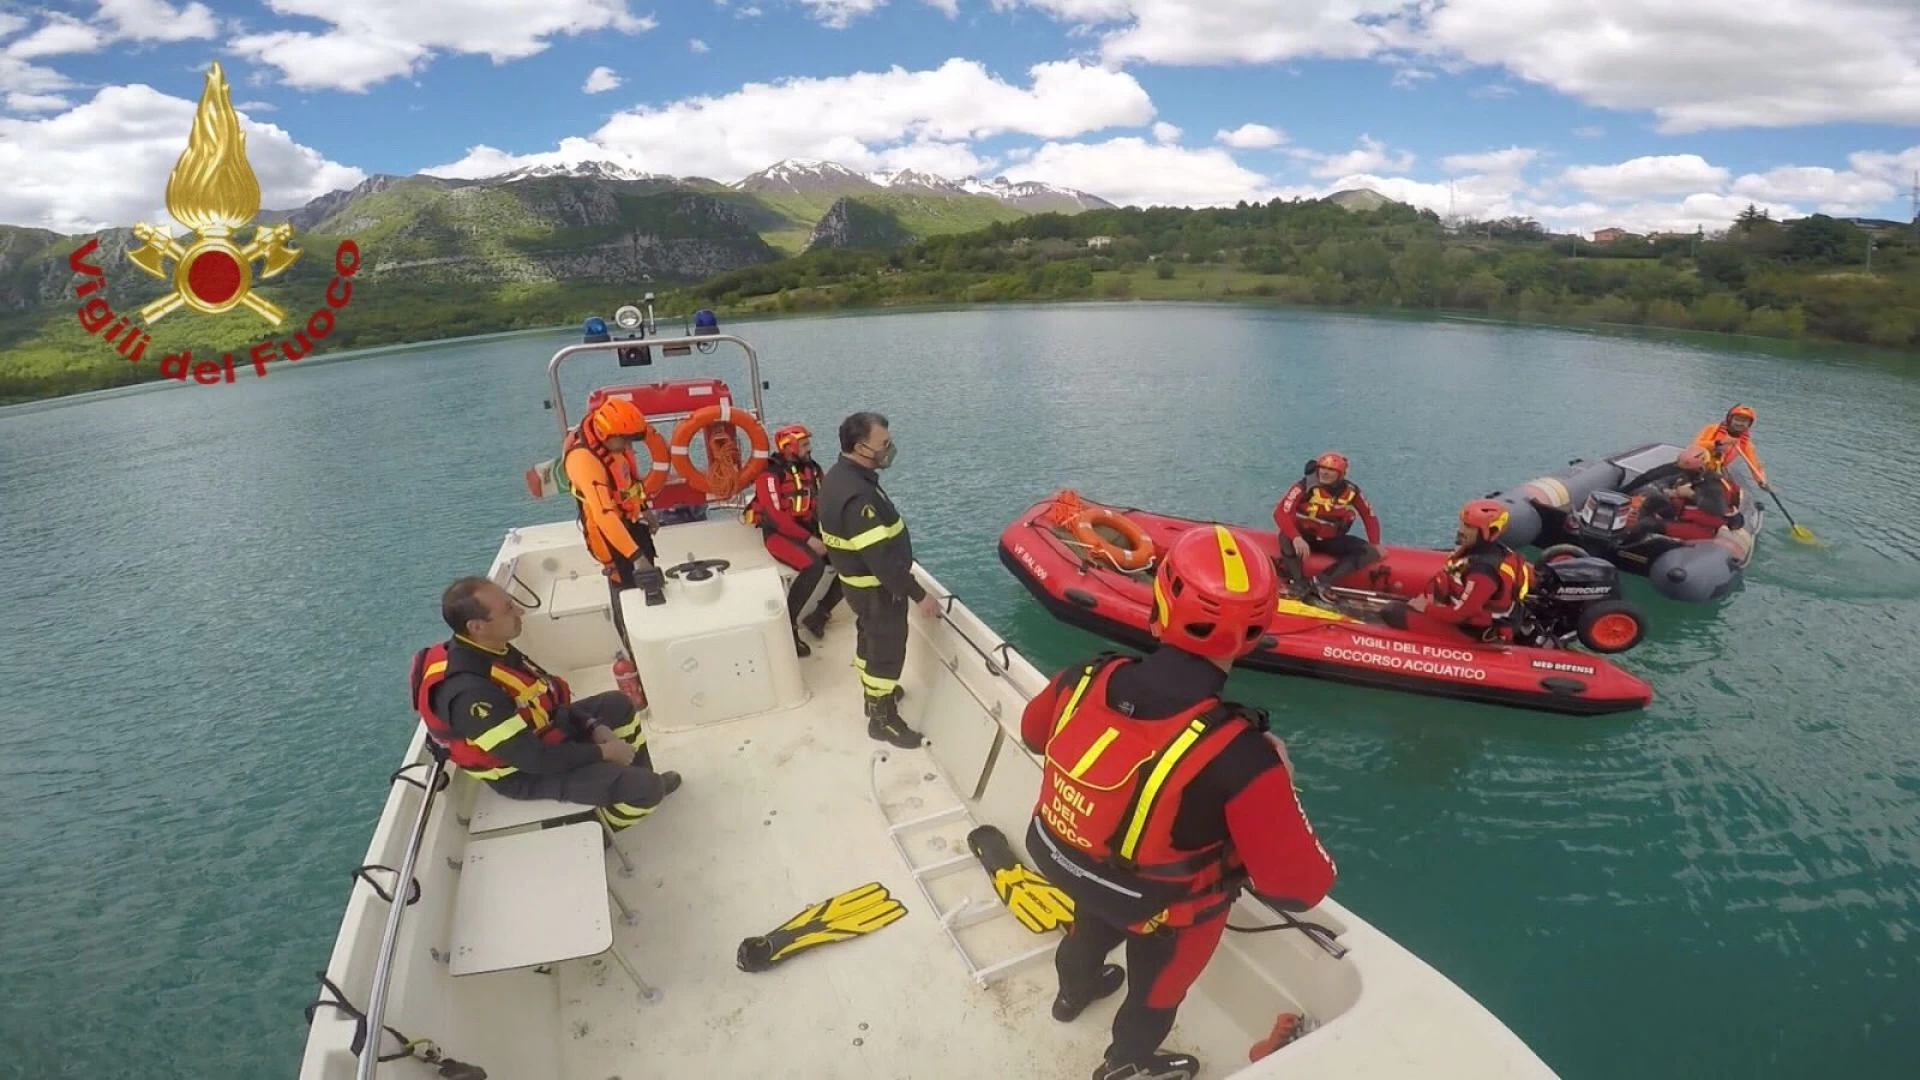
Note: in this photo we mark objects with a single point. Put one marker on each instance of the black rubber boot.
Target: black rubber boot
(1109, 981)
(884, 724)
(899, 693)
(1157, 1067)
(669, 783)
(801, 648)
(816, 625)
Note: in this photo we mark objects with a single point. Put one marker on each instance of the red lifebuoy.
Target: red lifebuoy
(658, 456)
(723, 413)
(1137, 554)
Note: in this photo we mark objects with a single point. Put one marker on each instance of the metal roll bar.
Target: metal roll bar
(390, 938)
(553, 365)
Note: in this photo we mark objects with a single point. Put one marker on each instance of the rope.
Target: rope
(381, 890)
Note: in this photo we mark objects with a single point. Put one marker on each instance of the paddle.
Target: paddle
(1796, 530)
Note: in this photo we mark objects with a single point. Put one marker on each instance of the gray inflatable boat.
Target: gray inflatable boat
(1586, 506)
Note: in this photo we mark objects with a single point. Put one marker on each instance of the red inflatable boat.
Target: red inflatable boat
(1069, 555)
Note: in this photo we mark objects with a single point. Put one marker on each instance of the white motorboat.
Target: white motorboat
(523, 950)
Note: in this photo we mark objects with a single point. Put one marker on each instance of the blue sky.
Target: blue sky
(1659, 114)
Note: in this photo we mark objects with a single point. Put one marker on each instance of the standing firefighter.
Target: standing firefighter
(786, 508)
(615, 512)
(1160, 801)
(870, 549)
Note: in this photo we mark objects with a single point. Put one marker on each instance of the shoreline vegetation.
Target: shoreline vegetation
(1805, 280)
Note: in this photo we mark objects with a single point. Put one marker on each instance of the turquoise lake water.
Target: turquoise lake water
(213, 592)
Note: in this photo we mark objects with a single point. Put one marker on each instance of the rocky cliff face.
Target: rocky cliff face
(849, 223)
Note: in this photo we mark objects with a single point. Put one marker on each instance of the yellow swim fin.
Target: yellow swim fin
(858, 911)
(1037, 903)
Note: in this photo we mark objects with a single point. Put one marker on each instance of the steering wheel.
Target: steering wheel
(697, 569)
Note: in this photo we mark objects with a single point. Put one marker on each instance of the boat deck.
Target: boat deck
(739, 848)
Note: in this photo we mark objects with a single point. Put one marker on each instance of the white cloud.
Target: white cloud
(59, 34)
(1697, 64)
(375, 40)
(11, 24)
(1222, 31)
(1251, 137)
(1370, 156)
(155, 20)
(864, 121)
(256, 106)
(105, 162)
(1896, 168)
(1664, 175)
(699, 46)
(1164, 132)
(1511, 160)
(1133, 172)
(1590, 131)
(1846, 194)
(600, 80)
(839, 13)
(31, 103)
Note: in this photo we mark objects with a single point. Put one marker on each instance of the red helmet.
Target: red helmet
(1693, 459)
(1332, 460)
(618, 416)
(1486, 517)
(1745, 411)
(785, 438)
(1213, 594)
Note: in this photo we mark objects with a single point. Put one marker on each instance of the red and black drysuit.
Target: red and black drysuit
(785, 507)
(1321, 516)
(1477, 592)
(1225, 813)
(1715, 502)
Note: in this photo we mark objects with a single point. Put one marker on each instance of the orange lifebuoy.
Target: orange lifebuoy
(717, 482)
(1137, 554)
(657, 456)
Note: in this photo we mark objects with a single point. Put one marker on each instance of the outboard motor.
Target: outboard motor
(1579, 596)
(1606, 518)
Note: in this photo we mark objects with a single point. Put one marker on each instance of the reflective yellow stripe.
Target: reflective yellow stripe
(861, 581)
(1231, 564)
(1093, 753)
(876, 686)
(434, 668)
(866, 539)
(492, 774)
(1148, 794)
(1073, 701)
(500, 732)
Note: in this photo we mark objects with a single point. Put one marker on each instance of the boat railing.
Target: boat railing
(375, 1029)
(703, 341)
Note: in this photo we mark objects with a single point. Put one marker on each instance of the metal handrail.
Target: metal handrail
(390, 939)
(553, 365)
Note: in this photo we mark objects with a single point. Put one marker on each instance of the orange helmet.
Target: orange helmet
(1693, 459)
(1745, 411)
(785, 438)
(618, 416)
(1487, 518)
(1332, 460)
(1213, 594)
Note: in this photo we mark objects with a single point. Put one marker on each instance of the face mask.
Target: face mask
(885, 457)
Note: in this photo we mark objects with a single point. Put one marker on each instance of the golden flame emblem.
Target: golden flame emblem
(212, 190)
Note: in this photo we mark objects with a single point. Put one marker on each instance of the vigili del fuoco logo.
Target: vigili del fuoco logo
(212, 191)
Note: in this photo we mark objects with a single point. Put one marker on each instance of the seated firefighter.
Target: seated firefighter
(1315, 515)
(785, 506)
(508, 722)
(1700, 501)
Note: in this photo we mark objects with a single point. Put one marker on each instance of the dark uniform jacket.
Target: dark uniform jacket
(867, 540)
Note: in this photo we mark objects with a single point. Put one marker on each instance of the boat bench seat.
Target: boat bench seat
(527, 899)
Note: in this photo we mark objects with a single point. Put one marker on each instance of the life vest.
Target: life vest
(797, 486)
(537, 697)
(623, 475)
(1323, 515)
(1512, 576)
(1113, 785)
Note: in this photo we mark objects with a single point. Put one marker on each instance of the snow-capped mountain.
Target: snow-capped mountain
(582, 170)
(1034, 195)
(914, 180)
(804, 176)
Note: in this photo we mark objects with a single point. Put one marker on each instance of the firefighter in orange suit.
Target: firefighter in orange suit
(1732, 437)
(786, 508)
(506, 721)
(614, 512)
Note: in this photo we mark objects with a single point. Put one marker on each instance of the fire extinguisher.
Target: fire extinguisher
(627, 678)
